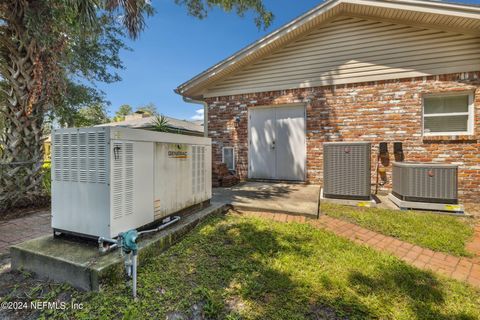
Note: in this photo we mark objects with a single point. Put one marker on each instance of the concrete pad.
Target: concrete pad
(386, 203)
(271, 197)
(81, 265)
(441, 208)
(372, 203)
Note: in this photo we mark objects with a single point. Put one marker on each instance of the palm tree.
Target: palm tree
(23, 95)
(34, 41)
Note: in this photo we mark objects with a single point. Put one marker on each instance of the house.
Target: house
(140, 120)
(350, 70)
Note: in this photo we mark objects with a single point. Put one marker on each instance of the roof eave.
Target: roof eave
(192, 87)
(290, 26)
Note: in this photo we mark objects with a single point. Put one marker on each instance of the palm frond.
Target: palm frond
(160, 124)
(132, 13)
(87, 11)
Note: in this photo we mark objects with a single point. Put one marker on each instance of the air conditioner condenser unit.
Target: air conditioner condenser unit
(428, 186)
(347, 170)
(109, 180)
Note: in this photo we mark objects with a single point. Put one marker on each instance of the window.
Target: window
(448, 114)
(228, 157)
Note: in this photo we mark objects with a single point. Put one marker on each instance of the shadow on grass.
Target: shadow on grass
(246, 268)
(257, 264)
(245, 256)
(422, 289)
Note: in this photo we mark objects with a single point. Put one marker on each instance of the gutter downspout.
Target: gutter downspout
(205, 113)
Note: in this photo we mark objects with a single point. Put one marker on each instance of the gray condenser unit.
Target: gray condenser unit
(346, 170)
(425, 182)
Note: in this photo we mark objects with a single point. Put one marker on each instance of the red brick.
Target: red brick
(474, 281)
(458, 275)
(465, 263)
(428, 252)
(475, 271)
(424, 258)
(419, 264)
(377, 115)
(452, 261)
(439, 255)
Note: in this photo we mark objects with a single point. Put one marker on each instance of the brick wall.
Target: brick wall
(378, 111)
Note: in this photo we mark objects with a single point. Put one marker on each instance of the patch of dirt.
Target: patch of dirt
(175, 315)
(4, 264)
(23, 289)
(197, 311)
(235, 304)
(14, 287)
(20, 212)
(321, 312)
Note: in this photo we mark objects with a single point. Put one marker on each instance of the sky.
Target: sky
(175, 47)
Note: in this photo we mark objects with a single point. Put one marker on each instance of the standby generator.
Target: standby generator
(108, 180)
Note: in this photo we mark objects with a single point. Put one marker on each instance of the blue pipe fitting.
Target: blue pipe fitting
(129, 243)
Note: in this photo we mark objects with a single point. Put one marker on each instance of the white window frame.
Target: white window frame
(233, 156)
(470, 113)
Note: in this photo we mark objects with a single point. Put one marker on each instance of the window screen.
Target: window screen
(229, 157)
(447, 114)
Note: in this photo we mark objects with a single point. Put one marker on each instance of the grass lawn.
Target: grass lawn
(429, 230)
(234, 267)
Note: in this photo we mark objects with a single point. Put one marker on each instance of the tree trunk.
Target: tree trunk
(21, 181)
(23, 113)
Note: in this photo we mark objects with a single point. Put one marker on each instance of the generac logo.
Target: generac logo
(178, 151)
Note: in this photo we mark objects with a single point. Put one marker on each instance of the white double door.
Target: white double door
(277, 143)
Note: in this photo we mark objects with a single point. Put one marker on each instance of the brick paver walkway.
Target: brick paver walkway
(460, 268)
(22, 229)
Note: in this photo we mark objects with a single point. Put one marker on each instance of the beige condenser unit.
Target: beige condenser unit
(110, 180)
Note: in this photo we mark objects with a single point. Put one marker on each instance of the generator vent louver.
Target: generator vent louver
(122, 182)
(346, 170)
(80, 157)
(198, 169)
(425, 182)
